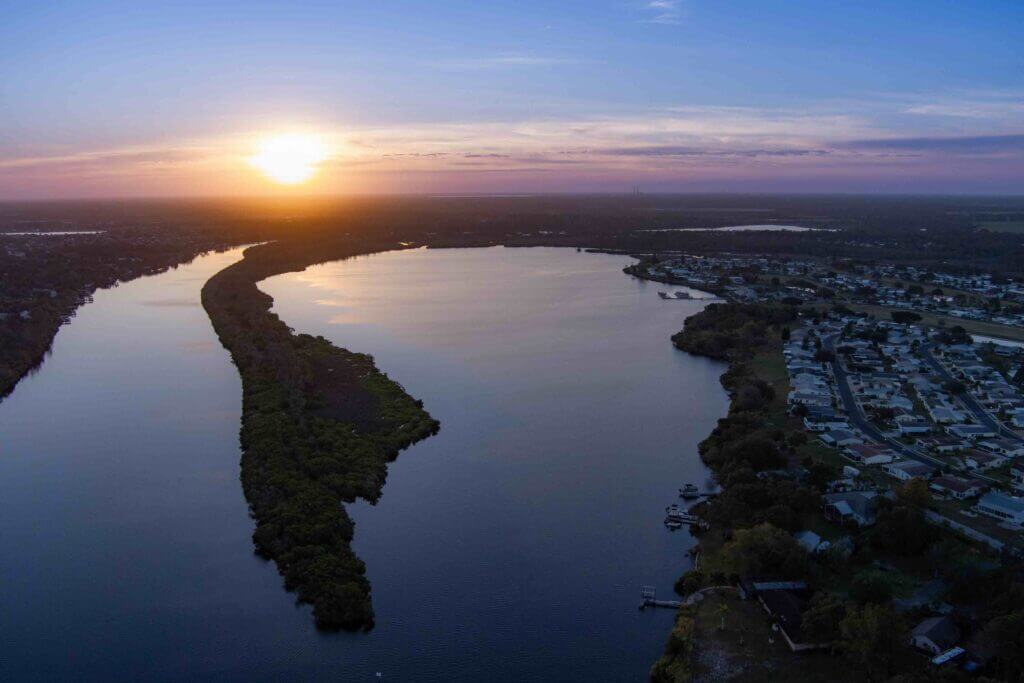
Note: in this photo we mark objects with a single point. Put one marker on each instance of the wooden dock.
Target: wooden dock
(648, 598)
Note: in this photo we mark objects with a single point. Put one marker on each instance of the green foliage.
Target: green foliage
(319, 425)
(871, 586)
(727, 330)
(822, 617)
(902, 530)
(765, 550)
(1005, 635)
(676, 664)
(905, 317)
(873, 636)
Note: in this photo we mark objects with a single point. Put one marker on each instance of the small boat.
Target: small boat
(663, 295)
(677, 515)
(689, 491)
(673, 524)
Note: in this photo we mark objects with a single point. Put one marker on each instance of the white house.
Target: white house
(1002, 507)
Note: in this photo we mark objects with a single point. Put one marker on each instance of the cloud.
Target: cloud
(678, 151)
(507, 60)
(663, 12)
(960, 145)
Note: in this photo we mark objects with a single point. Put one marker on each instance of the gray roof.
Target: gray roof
(1001, 500)
(940, 630)
(861, 503)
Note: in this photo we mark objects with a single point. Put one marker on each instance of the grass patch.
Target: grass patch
(932, 320)
(747, 649)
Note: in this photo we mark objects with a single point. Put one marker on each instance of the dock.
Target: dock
(648, 598)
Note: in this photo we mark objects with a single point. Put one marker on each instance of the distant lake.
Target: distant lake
(511, 546)
(742, 228)
(51, 233)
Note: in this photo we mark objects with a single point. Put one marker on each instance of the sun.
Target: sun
(289, 159)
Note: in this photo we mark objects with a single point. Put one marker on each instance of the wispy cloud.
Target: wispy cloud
(663, 12)
(959, 145)
(507, 60)
(672, 142)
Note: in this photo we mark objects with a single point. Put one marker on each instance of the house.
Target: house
(1017, 474)
(905, 470)
(956, 487)
(810, 541)
(839, 438)
(912, 425)
(982, 460)
(1002, 507)
(817, 423)
(971, 432)
(869, 454)
(857, 507)
(1007, 447)
(941, 443)
(935, 635)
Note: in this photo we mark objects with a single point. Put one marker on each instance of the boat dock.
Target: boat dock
(648, 598)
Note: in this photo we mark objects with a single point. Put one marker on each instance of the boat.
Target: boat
(673, 524)
(683, 295)
(663, 295)
(689, 491)
(673, 512)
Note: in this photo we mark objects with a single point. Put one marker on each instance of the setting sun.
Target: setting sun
(289, 159)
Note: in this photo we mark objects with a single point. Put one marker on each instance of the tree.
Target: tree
(905, 317)
(765, 550)
(871, 586)
(1005, 634)
(902, 530)
(872, 636)
(823, 616)
(954, 386)
(915, 492)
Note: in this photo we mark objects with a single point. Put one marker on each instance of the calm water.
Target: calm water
(768, 227)
(511, 546)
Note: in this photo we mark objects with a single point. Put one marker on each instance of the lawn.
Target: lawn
(932, 320)
(749, 650)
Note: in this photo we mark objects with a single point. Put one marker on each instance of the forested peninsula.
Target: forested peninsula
(319, 426)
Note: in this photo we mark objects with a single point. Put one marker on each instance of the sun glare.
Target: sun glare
(289, 159)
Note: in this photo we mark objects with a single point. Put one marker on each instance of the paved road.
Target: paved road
(860, 421)
(982, 415)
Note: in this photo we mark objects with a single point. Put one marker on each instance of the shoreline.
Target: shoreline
(319, 426)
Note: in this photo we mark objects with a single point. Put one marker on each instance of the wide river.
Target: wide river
(511, 546)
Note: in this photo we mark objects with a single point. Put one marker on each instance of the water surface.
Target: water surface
(511, 546)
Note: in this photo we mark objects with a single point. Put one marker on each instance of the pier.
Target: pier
(648, 598)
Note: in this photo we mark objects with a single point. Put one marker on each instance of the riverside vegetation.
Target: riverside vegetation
(319, 426)
(772, 477)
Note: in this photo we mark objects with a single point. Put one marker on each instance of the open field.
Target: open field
(1016, 227)
(747, 649)
(932, 320)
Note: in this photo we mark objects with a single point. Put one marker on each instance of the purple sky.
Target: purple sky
(147, 99)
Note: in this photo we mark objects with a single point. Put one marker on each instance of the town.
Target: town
(907, 386)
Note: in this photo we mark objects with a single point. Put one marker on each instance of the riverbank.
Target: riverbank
(319, 426)
(861, 591)
(47, 278)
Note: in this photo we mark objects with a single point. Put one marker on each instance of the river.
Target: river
(510, 546)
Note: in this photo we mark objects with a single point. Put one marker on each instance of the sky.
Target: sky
(112, 99)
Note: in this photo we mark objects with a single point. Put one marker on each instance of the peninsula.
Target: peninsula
(319, 426)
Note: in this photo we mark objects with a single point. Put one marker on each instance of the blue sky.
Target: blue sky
(119, 98)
